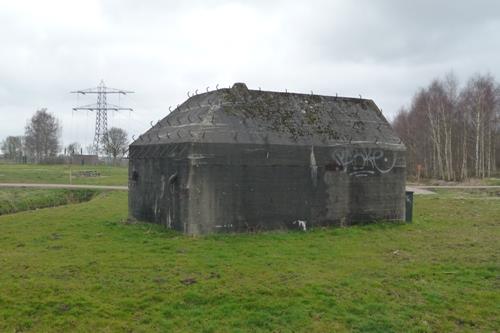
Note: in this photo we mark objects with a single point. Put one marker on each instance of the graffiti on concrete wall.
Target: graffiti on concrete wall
(362, 162)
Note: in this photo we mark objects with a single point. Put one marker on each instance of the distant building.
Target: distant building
(84, 159)
(242, 160)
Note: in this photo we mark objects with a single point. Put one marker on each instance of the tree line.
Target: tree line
(451, 132)
(41, 141)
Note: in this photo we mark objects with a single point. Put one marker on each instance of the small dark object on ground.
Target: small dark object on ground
(188, 281)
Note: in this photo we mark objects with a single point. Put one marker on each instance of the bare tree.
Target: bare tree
(12, 147)
(73, 149)
(42, 136)
(115, 142)
(90, 150)
(452, 134)
(480, 104)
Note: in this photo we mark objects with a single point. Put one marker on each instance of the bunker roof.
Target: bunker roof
(239, 115)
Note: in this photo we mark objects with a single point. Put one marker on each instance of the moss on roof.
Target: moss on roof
(240, 115)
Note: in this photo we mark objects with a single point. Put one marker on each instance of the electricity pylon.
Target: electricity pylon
(101, 108)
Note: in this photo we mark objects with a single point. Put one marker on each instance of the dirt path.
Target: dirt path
(457, 186)
(64, 186)
(426, 189)
(417, 189)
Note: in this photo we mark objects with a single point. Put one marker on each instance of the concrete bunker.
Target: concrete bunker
(242, 160)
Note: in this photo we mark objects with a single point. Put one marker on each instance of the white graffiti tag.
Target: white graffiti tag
(361, 162)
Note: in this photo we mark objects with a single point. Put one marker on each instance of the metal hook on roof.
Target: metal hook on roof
(260, 89)
(286, 90)
(170, 108)
(178, 106)
(188, 94)
(360, 96)
(217, 87)
(336, 95)
(196, 92)
(312, 93)
(151, 123)
(133, 137)
(207, 88)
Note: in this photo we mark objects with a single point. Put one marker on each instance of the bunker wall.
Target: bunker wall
(201, 188)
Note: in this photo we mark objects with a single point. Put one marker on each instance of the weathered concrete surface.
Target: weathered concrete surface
(238, 159)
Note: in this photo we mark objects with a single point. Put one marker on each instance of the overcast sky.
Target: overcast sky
(383, 50)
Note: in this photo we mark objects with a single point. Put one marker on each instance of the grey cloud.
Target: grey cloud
(407, 31)
(382, 49)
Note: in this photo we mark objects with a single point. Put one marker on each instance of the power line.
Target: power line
(101, 108)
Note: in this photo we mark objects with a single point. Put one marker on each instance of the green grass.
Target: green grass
(17, 200)
(492, 181)
(79, 268)
(469, 193)
(59, 174)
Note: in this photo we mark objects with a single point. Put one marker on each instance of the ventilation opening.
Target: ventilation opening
(334, 166)
(135, 176)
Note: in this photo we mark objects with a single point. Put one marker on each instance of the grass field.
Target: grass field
(492, 181)
(60, 174)
(80, 268)
(17, 200)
